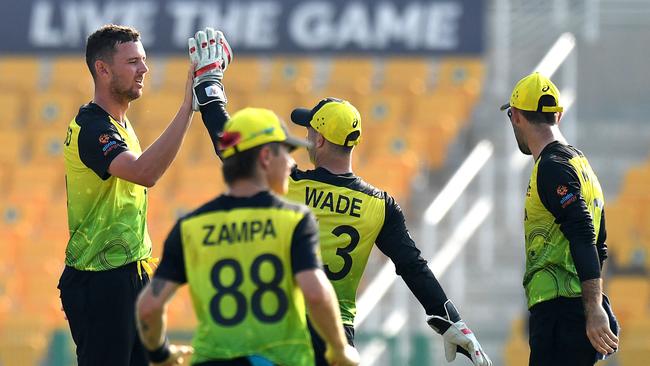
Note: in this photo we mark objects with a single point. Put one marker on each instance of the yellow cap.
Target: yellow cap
(251, 127)
(535, 93)
(337, 120)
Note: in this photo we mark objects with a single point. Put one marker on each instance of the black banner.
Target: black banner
(261, 27)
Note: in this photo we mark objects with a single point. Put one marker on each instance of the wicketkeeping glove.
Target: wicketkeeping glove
(211, 54)
(457, 336)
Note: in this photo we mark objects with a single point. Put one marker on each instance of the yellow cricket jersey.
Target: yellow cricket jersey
(106, 215)
(564, 200)
(239, 256)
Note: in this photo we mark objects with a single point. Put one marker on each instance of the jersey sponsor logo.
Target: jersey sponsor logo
(568, 199)
(109, 147)
(236, 232)
(327, 201)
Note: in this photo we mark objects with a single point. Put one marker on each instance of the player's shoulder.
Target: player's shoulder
(348, 181)
(262, 200)
(557, 154)
(92, 116)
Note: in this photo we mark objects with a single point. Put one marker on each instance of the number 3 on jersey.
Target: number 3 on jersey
(344, 252)
(232, 290)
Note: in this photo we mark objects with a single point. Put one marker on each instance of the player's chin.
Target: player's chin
(135, 93)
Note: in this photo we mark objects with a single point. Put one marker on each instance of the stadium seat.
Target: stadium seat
(11, 110)
(21, 73)
(172, 77)
(46, 146)
(292, 74)
(406, 75)
(51, 110)
(516, 350)
(630, 298)
(244, 75)
(355, 74)
(13, 152)
(71, 74)
(282, 103)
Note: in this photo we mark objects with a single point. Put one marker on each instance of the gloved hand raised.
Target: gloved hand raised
(457, 336)
(211, 54)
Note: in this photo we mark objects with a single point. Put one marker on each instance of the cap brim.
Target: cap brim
(505, 106)
(294, 142)
(301, 116)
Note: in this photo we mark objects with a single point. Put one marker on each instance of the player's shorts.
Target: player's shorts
(557, 334)
(319, 346)
(100, 307)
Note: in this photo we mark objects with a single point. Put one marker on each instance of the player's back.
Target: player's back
(238, 260)
(350, 215)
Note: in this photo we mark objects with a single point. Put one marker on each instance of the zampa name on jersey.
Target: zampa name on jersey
(236, 232)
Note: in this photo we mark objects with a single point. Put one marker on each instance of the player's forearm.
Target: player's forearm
(592, 291)
(157, 158)
(150, 314)
(326, 318)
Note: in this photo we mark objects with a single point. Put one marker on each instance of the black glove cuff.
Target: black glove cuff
(161, 353)
(209, 91)
(441, 323)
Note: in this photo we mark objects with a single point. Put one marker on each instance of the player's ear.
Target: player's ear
(101, 68)
(320, 140)
(559, 117)
(264, 157)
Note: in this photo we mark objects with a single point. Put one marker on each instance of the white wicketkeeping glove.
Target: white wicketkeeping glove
(457, 336)
(211, 54)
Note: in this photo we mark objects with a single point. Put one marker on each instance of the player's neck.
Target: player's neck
(246, 187)
(336, 165)
(543, 136)
(116, 108)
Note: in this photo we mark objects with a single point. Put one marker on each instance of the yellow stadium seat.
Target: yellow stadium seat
(406, 75)
(461, 74)
(282, 103)
(71, 74)
(355, 74)
(172, 76)
(11, 110)
(516, 350)
(13, 151)
(635, 181)
(47, 146)
(630, 298)
(35, 182)
(382, 108)
(292, 74)
(20, 73)
(245, 74)
(152, 113)
(51, 110)
(23, 339)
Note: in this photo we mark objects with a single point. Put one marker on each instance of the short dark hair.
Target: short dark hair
(101, 44)
(539, 117)
(242, 164)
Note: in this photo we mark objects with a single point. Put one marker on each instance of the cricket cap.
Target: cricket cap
(535, 93)
(251, 127)
(336, 119)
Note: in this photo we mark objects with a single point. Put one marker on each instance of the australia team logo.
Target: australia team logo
(104, 138)
(562, 190)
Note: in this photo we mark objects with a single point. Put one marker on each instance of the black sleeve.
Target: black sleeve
(304, 245)
(601, 244)
(214, 117)
(172, 265)
(395, 242)
(559, 190)
(98, 145)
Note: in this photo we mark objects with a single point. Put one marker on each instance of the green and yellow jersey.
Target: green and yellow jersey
(239, 256)
(353, 216)
(106, 214)
(564, 209)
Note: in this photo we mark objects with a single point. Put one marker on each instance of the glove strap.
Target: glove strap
(209, 91)
(160, 354)
(207, 68)
(441, 323)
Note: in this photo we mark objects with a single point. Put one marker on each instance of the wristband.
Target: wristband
(160, 354)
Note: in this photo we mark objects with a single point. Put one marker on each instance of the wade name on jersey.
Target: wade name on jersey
(237, 232)
(333, 202)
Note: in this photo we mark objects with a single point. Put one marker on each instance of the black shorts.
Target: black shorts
(558, 334)
(100, 307)
(319, 344)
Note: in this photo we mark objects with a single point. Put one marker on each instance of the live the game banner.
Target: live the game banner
(262, 27)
